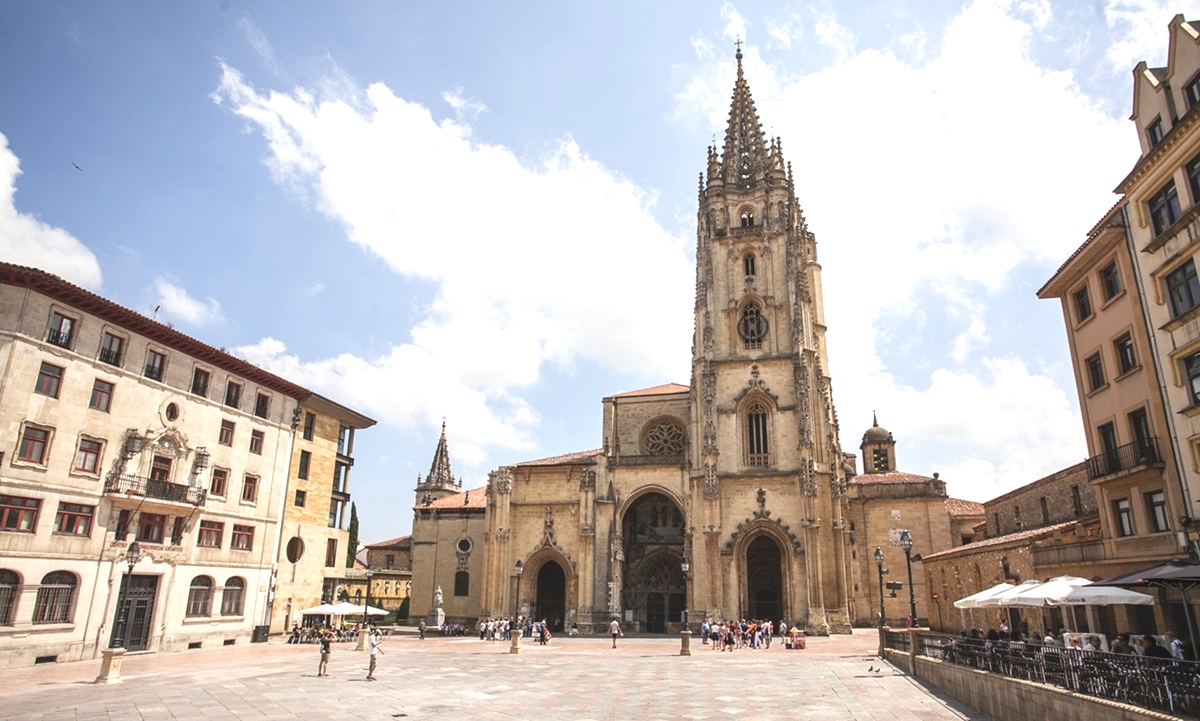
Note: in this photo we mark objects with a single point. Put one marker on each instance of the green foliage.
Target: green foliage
(402, 612)
(352, 545)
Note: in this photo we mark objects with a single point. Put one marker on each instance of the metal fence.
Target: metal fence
(1152, 683)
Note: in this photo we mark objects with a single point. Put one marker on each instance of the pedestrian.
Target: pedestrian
(373, 642)
(325, 638)
(421, 630)
(295, 637)
(1174, 645)
(615, 629)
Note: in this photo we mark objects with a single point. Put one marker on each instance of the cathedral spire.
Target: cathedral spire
(440, 477)
(744, 157)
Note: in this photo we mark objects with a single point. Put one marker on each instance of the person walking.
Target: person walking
(421, 630)
(325, 639)
(615, 629)
(373, 643)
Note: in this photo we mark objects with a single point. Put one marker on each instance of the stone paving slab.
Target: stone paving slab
(572, 679)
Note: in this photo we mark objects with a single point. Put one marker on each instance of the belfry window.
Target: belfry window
(747, 219)
(752, 327)
(757, 446)
(748, 265)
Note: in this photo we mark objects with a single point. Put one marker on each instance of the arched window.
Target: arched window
(748, 265)
(199, 601)
(233, 596)
(747, 218)
(9, 582)
(664, 438)
(55, 597)
(757, 446)
(462, 583)
(752, 327)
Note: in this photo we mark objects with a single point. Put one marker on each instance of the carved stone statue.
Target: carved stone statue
(437, 597)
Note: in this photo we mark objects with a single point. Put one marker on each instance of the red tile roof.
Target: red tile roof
(401, 542)
(1032, 534)
(890, 477)
(662, 390)
(959, 507)
(569, 459)
(474, 498)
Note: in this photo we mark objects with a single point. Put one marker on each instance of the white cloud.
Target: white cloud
(1143, 24)
(835, 36)
(524, 257)
(259, 42)
(176, 303)
(935, 185)
(25, 240)
(735, 22)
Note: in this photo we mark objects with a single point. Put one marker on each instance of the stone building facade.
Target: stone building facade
(120, 430)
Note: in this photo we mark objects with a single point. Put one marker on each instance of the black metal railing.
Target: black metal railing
(1153, 683)
(109, 356)
(897, 641)
(161, 490)
(154, 371)
(60, 338)
(1123, 458)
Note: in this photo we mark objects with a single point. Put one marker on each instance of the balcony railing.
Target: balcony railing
(1124, 458)
(161, 490)
(111, 357)
(60, 338)
(154, 372)
(663, 460)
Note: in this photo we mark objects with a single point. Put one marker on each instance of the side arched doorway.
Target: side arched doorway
(551, 603)
(654, 586)
(764, 579)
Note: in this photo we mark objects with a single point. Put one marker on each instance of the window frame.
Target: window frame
(201, 378)
(112, 348)
(74, 519)
(1164, 208)
(1180, 282)
(462, 584)
(199, 600)
(100, 393)
(55, 603)
(151, 528)
(1094, 365)
(210, 534)
(233, 394)
(757, 436)
(1155, 132)
(1156, 512)
(156, 364)
(1110, 281)
(310, 424)
(300, 499)
(95, 452)
(250, 489)
(257, 438)
(55, 335)
(242, 538)
(225, 435)
(1124, 351)
(49, 380)
(262, 405)
(10, 592)
(1123, 517)
(220, 490)
(233, 596)
(331, 554)
(752, 326)
(19, 514)
(1083, 304)
(26, 444)
(303, 465)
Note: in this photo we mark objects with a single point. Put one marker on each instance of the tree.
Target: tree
(352, 546)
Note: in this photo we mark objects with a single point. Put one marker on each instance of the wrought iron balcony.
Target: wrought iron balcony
(161, 490)
(1124, 458)
(60, 338)
(111, 357)
(154, 371)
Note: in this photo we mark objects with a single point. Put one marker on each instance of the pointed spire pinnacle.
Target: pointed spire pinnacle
(875, 418)
(440, 475)
(744, 156)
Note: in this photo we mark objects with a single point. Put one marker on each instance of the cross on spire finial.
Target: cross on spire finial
(738, 44)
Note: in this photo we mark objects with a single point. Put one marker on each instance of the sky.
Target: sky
(483, 214)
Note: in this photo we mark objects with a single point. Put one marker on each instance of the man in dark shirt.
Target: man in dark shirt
(1151, 649)
(325, 639)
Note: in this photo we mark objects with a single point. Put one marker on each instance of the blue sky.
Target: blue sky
(484, 212)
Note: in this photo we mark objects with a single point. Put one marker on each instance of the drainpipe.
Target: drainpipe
(1176, 453)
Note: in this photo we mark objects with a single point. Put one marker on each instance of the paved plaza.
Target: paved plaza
(572, 679)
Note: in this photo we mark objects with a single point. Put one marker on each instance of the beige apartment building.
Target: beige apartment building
(122, 430)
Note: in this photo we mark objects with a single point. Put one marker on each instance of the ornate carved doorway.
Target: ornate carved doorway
(140, 592)
(654, 585)
(551, 595)
(764, 579)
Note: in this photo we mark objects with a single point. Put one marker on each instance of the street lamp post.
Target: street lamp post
(879, 564)
(517, 629)
(110, 666)
(906, 542)
(685, 636)
(362, 629)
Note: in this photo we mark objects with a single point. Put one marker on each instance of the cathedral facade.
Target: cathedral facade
(728, 498)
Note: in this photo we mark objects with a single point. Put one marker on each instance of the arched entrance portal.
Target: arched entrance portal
(654, 586)
(551, 604)
(764, 579)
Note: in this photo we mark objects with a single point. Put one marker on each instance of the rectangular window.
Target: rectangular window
(1192, 169)
(87, 458)
(177, 531)
(344, 436)
(250, 489)
(61, 330)
(122, 525)
(1045, 511)
(1110, 280)
(256, 442)
(262, 405)
(1191, 92)
(160, 469)
(18, 514)
(101, 396)
(331, 553)
(200, 378)
(390, 560)
(74, 519)
(1164, 208)
(233, 394)
(1076, 501)
(34, 442)
(243, 538)
(49, 380)
(210, 534)
(1123, 349)
(1155, 132)
(1095, 372)
(757, 450)
(310, 424)
(1122, 517)
(1191, 369)
(225, 438)
(301, 497)
(156, 365)
(220, 481)
(1183, 289)
(110, 349)
(462, 583)
(151, 527)
(305, 459)
(1156, 509)
(1083, 305)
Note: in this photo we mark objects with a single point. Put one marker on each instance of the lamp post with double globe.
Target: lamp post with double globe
(517, 629)
(685, 636)
(906, 542)
(879, 564)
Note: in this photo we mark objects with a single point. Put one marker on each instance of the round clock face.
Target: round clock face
(752, 327)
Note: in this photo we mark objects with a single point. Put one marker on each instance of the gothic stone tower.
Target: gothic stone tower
(768, 489)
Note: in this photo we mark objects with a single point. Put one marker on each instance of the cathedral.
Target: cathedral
(727, 498)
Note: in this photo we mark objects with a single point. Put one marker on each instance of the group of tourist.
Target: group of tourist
(1124, 643)
(337, 633)
(733, 635)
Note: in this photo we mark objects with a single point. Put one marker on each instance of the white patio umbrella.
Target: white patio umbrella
(1000, 598)
(345, 608)
(1090, 595)
(323, 610)
(974, 599)
(1038, 593)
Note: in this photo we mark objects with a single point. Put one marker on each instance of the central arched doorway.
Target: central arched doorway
(654, 585)
(551, 604)
(764, 579)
